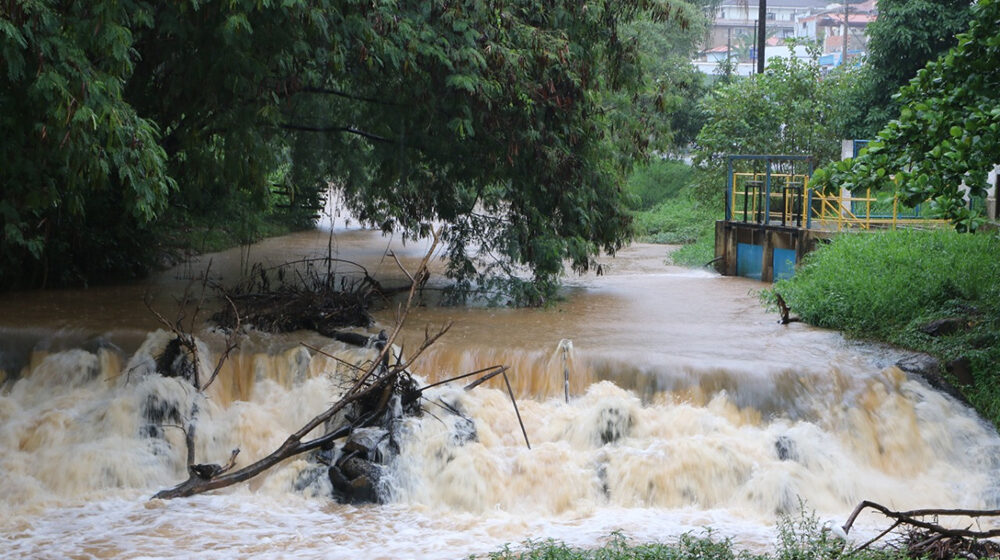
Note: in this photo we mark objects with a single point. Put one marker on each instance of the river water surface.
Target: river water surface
(689, 408)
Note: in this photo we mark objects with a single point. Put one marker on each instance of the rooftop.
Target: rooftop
(752, 4)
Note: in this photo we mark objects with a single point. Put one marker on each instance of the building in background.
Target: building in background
(731, 36)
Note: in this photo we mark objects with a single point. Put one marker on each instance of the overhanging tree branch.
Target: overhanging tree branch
(328, 129)
(344, 94)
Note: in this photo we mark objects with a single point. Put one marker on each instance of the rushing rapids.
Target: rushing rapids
(689, 408)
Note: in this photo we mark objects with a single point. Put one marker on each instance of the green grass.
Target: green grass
(799, 538)
(665, 212)
(676, 221)
(885, 286)
(656, 181)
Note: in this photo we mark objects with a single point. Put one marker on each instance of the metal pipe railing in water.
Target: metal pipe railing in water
(565, 347)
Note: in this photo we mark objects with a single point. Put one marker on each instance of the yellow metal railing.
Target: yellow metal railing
(784, 200)
(840, 212)
(788, 200)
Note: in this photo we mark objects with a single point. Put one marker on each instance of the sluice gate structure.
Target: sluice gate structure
(773, 218)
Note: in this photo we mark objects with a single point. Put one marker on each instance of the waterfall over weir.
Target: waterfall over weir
(689, 408)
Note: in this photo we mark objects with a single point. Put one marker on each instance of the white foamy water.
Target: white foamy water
(689, 409)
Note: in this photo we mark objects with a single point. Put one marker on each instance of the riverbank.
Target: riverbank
(936, 292)
(690, 407)
(664, 211)
(802, 538)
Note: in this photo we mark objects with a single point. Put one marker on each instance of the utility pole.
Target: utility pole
(729, 52)
(847, 11)
(761, 34)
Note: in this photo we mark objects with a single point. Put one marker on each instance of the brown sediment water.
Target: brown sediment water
(690, 407)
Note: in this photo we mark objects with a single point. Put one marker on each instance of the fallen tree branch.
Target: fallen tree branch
(931, 539)
(328, 129)
(510, 392)
(377, 379)
(231, 344)
(184, 338)
(784, 310)
(494, 369)
(911, 517)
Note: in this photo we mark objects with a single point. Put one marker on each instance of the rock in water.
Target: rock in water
(356, 480)
(364, 442)
(944, 327)
(929, 369)
(786, 449)
(613, 424)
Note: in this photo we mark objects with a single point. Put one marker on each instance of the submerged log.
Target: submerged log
(929, 369)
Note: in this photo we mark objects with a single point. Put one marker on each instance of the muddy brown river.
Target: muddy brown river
(721, 417)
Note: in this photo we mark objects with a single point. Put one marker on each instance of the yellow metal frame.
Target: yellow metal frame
(835, 211)
(778, 183)
(819, 211)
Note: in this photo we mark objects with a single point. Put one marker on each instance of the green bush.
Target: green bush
(798, 539)
(876, 284)
(886, 286)
(678, 220)
(657, 181)
(688, 547)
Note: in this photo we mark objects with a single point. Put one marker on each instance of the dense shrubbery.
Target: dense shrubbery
(885, 286)
(512, 122)
(665, 211)
(658, 180)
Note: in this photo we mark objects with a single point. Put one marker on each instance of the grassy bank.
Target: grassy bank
(665, 212)
(896, 286)
(687, 548)
(798, 539)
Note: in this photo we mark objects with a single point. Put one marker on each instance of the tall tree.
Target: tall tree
(947, 134)
(73, 148)
(792, 108)
(513, 121)
(905, 36)
(674, 86)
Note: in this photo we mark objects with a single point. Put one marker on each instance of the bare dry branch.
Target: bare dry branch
(232, 342)
(933, 534)
(377, 379)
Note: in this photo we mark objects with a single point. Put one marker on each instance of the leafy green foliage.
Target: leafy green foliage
(673, 86)
(665, 211)
(906, 35)
(791, 109)
(72, 146)
(688, 547)
(947, 133)
(656, 181)
(885, 286)
(802, 538)
(798, 539)
(512, 122)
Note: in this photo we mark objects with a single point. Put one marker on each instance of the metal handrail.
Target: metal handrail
(838, 209)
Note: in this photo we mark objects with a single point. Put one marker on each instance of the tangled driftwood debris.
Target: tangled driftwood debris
(365, 405)
(922, 538)
(304, 294)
